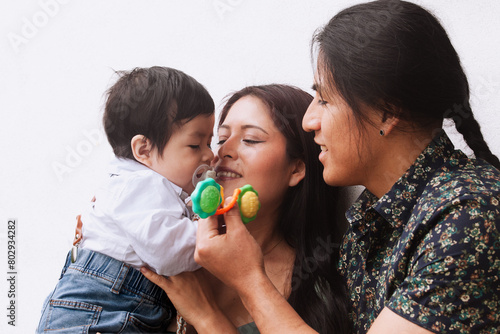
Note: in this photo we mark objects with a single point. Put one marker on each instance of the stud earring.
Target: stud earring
(382, 132)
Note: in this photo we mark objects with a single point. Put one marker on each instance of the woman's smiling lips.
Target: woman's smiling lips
(224, 173)
(324, 149)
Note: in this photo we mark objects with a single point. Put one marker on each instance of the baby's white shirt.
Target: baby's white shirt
(140, 218)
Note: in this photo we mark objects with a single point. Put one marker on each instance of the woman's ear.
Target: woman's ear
(142, 149)
(389, 124)
(389, 120)
(298, 173)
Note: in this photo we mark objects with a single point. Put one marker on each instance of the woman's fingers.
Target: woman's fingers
(233, 221)
(208, 227)
(230, 256)
(159, 280)
(209, 237)
(190, 294)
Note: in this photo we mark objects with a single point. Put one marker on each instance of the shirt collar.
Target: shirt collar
(396, 205)
(358, 210)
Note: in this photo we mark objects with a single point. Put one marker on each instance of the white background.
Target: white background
(58, 60)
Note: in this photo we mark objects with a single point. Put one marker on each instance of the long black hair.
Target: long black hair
(396, 57)
(308, 214)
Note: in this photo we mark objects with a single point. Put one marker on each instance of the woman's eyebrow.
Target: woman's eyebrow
(249, 126)
(244, 127)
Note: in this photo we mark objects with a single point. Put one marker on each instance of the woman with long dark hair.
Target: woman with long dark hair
(421, 253)
(261, 143)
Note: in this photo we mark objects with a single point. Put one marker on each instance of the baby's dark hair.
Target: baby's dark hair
(149, 102)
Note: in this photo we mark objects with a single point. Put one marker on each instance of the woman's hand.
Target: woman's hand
(193, 299)
(234, 257)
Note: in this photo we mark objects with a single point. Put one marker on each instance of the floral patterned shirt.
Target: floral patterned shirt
(429, 249)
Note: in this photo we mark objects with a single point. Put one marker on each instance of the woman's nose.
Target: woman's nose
(312, 118)
(228, 149)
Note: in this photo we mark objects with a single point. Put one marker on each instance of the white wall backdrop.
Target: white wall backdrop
(58, 58)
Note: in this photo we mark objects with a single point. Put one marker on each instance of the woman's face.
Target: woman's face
(251, 150)
(345, 154)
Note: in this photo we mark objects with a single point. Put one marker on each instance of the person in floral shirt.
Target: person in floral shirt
(422, 252)
(428, 249)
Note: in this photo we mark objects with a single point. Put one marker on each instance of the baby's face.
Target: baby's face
(187, 148)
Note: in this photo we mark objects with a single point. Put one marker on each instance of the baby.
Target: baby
(159, 122)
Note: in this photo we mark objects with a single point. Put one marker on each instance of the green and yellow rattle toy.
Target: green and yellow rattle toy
(208, 200)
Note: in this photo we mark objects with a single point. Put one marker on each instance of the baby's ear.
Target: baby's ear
(142, 149)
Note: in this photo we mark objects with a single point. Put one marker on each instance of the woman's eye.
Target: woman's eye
(195, 147)
(250, 141)
(322, 102)
(247, 141)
